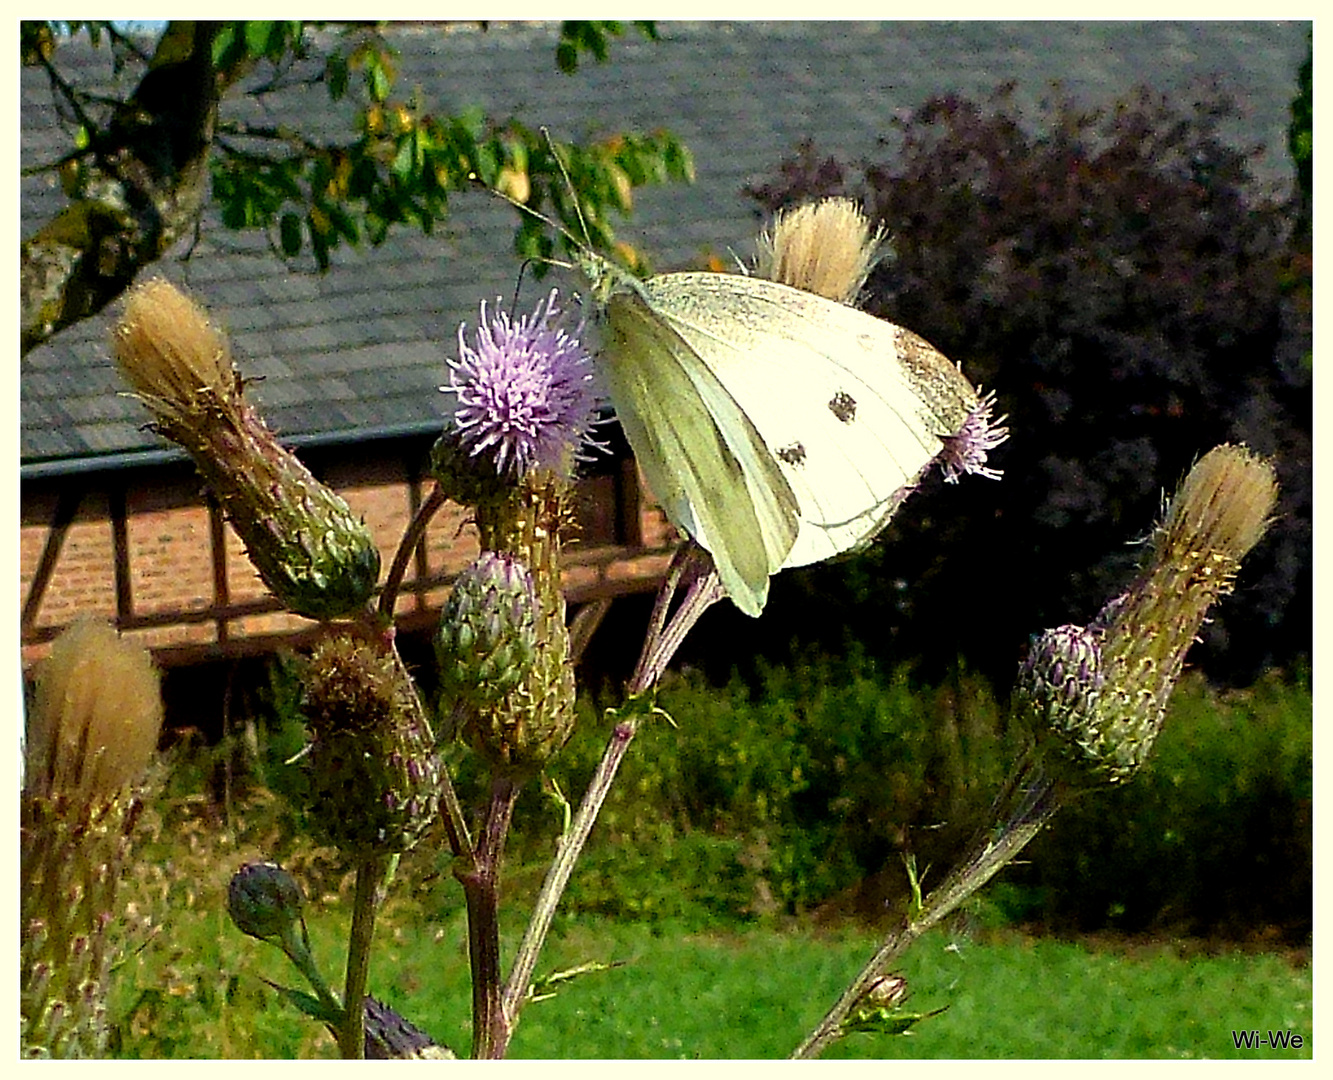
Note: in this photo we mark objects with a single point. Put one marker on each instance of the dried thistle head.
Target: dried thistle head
(96, 715)
(825, 248)
(312, 552)
(1220, 511)
(1097, 696)
(172, 356)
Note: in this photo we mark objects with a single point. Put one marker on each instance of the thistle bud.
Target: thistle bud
(486, 641)
(520, 730)
(1057, 690)
(374, 774)
(264, 901)
(1097, 696)
(311, 551)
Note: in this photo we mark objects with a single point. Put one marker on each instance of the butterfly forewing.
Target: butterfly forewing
(702, 456)
(850, 407)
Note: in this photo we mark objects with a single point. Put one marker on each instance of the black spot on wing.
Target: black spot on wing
(843, 406)
(792, 455)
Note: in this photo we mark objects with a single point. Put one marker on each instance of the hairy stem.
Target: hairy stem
(663, 638)
(1027, 805)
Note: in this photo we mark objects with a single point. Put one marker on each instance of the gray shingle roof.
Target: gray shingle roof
(362, 346)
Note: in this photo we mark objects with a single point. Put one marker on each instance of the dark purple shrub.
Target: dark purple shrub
(1115, 281)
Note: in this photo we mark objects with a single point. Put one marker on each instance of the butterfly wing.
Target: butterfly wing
(851, 408)
(702, 456)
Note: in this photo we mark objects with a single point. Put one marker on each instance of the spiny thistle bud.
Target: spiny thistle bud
(1097, 697)
(265, 902)
(91, 732)
(374, 774)
(519, 731)
(464, 478)
(311, 551)
(487, 637)
(1058, 686)
(824, 248)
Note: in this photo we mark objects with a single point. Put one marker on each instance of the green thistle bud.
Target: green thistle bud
(264, 901)
(1057, 689)
(1097, 697)
(486, 641)
(521, 730)
(464, 477)
(374, 774)
(315, 555)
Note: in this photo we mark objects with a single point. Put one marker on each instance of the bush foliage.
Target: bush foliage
(804, 789)
(1113, 277)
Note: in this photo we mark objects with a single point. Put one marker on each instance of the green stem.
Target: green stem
(1034, 800)
(691, 569)
(352, 1035)
(557, 876)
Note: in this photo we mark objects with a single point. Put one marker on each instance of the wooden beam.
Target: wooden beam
(120, 546)
(67, 505)
(217, 538)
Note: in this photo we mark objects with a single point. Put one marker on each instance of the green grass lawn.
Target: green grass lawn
(748, 993)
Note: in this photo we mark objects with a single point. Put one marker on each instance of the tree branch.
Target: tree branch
(145, 188)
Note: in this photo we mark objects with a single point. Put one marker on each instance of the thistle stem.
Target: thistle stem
(662, 640)
(369, 877)
(411, 537)
(1026, 805)
(491, 1024)
(562, 867)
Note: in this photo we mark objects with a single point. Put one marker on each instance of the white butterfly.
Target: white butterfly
(776, 427)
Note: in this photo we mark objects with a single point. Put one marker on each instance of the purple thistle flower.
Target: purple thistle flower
(525, 391)
(965, 451)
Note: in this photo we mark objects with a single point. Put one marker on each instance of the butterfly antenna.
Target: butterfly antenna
(518, 283)
(569, 186)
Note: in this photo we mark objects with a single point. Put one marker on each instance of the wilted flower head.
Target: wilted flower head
(96, 715)
(525, 390)
(966, 451)
(316, 556)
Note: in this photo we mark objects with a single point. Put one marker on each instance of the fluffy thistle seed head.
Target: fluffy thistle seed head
(96, 715)
(1097, 697)
(311, 551)
(825, 248)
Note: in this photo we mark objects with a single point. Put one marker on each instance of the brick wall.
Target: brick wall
(170, 550)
